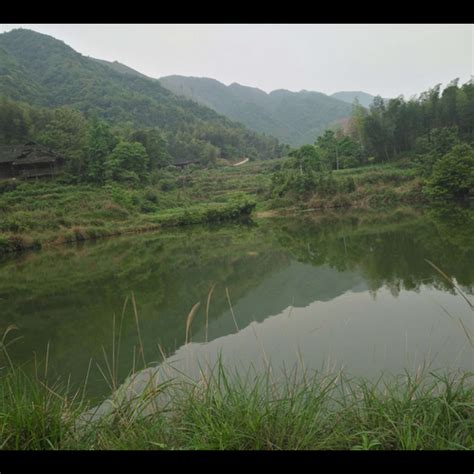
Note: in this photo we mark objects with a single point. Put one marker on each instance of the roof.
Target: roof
(34, 158)
(27, 153)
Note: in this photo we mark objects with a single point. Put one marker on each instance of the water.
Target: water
(349, 289)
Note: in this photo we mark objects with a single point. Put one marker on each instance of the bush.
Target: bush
(453, 174)
(349, 162)
(151, 195)
(147, 207)
(167, 185)
(347, 185)
(8, 185)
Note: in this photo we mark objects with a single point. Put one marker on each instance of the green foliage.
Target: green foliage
(453, 174)
(128, 162)
(65, 131)
(429, 125)
(14, 126)
(52, 75)
(338, 151)
(155, 145)
(57, 211)
(99, 143)
(306, 158)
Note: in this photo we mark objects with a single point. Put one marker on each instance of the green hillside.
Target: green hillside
(296, 118)
(45, 72)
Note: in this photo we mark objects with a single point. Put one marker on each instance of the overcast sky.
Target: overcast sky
(380, 59)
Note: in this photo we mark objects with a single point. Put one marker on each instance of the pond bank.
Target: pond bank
(170, 218)
(221, 412)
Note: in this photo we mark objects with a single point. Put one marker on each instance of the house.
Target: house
(29, 160)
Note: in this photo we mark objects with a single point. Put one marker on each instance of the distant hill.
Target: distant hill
(121, 68)
(349, 96)
(43, 71)
(295, 118)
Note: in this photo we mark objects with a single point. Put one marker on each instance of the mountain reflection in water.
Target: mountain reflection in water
(346, 289)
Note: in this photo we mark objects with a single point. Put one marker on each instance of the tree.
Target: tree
(13, 122)
(128, 162)
(327, 146)
(65, 132)
(99, 143)
(155, 145)
(453, 174)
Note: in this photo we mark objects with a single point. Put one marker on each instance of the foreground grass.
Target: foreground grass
(227, 411)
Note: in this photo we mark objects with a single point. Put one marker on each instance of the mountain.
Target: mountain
(43, 71)
(295, 118)
(121, 68)
(364, 98)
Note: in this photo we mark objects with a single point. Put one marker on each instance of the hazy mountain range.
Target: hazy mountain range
(44, 71)
(293, 117)
(350, 96)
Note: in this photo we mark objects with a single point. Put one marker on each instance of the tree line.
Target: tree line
(96, 151)
(434, 131)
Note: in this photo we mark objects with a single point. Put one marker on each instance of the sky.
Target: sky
(388, 60)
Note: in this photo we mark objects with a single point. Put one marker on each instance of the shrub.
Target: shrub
(167, 184)
(347, 185)
(8, 185)
(453, 174)
(151, 195)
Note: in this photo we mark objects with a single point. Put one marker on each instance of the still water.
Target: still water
(350, 289)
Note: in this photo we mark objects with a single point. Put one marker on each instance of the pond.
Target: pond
(350, 289)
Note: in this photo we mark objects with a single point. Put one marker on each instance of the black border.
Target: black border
(458, 462)
(233, 12)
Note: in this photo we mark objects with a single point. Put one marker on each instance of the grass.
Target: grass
(50, 212)
(375, 186)
(34, 215)
(224, 409)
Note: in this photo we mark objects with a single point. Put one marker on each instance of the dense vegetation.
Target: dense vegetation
(43, 72)
(48, 211)
(120, 131)
(34, 214)
(295, 118)
(249, 411)
(430, 136)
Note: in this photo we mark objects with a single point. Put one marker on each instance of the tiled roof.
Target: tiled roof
(27, 153)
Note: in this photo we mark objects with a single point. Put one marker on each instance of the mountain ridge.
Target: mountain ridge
(45, 72)
(295, 118)
(365, 99)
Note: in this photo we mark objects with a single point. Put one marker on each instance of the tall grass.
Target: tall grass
(223, 408)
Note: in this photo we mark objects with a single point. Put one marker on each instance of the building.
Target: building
(29, 160)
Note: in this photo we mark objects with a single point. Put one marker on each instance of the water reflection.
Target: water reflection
(350, 289)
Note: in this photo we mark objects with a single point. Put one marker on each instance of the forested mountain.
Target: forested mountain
(119, 67)
(349, 96)
(295, 118)
(42, 71)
